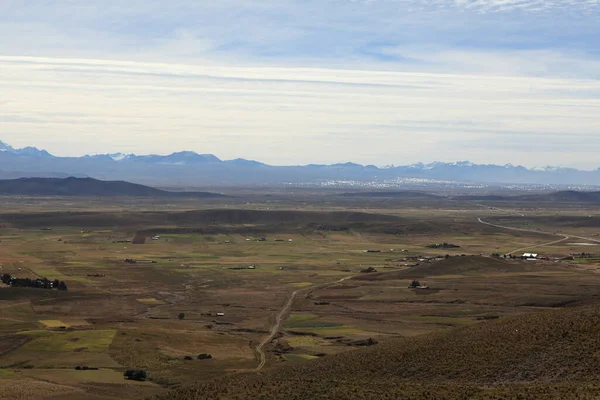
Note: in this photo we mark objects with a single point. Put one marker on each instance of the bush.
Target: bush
(135, 375)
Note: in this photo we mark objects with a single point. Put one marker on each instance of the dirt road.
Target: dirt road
(279, 318)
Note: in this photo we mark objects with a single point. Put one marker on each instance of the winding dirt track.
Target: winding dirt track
(279, 318)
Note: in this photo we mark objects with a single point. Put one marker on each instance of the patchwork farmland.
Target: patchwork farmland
(309, 282)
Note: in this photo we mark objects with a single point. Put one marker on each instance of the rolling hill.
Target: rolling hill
(547, 355)
(72, 186)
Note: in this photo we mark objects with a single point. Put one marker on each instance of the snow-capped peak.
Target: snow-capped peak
(549, 168)
(440, 164)
(6, 147)
(119, 156)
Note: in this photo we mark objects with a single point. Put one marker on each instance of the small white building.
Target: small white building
(530, 256)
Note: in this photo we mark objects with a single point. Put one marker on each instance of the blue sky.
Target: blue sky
(296, 82)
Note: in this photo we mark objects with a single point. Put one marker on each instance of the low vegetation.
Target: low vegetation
(41, 283)
(512, 358)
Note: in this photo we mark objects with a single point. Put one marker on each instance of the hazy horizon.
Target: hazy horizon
(288, 83)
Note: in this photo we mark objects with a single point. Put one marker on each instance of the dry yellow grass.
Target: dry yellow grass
(302, 341)
(76, 322)
(29, 389)
(302, 284)
(54, 323)
(92, 341)
(150, 300)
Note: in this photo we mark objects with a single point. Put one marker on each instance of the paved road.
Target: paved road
(279, 318)
(563, 236)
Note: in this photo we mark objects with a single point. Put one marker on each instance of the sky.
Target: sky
(291, 82)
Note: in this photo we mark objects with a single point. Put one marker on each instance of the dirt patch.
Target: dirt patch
(425, 292)
(334, 297)
(342, 287)
(8, 343)
(139, 239)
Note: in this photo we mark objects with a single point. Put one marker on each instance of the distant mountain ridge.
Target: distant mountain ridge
(25, 151)
(87, 187)
(190, 168)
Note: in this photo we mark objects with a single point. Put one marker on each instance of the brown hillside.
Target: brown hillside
(547, 355)
(471, 264)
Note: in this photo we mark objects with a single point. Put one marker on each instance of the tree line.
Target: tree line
(42, 283)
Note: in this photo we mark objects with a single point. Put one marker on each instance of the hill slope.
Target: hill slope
(470, 264)
(547, 355)
(217, 220)
(86, 187)
(453, 266)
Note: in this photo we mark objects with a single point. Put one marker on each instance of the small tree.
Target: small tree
(181, 315)
(414, 284)
(6, 278)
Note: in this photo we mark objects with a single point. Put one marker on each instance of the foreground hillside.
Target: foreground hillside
(547, 355)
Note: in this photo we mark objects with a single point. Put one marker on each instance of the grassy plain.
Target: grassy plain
(120, 315)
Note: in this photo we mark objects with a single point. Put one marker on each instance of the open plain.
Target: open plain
(265, 280)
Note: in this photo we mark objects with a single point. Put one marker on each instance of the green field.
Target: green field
(91, 341)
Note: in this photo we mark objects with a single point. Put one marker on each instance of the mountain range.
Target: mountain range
(187, 168)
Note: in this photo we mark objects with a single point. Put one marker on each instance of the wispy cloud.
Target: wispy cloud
(289, 81)
(108, 106)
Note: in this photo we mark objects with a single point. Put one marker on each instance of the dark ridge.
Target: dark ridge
(565, 196)
(72, 186)
(228, 220)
